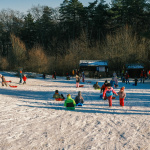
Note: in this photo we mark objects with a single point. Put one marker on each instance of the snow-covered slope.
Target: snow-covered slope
(32, 120)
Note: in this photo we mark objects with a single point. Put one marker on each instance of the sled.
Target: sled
(97, 89)
(79, 104)
(13, 86)
(59, 99)
(9, 81)
(81, 85)
(67, 78)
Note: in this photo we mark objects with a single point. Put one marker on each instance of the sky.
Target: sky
(25, 5)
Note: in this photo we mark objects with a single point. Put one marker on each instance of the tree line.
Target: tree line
(59, 37)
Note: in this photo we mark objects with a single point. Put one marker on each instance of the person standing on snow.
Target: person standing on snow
(143, 75)
(112, 82)
(3, 80)
(108, 93)
(24, 79)
(73, 72)
(104, 86)
(77, 81)
(149, 74)
(122, 96)
(116, 81)
(114, 74)
(135, 80)
(20, 75)
(83, 76)
(127, 77)
(54, 75)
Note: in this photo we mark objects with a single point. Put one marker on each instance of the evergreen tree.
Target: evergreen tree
(131, 12)
(72, 17)
(28, 31)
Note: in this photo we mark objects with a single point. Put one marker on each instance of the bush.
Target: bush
(18, 55)
(4, 63)
(38, 61)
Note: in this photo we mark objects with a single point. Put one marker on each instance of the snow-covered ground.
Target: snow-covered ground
(32, 120)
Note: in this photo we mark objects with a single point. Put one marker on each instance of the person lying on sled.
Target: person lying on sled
(96, 86)
(58, 96)
(70, 103)
(79, 99)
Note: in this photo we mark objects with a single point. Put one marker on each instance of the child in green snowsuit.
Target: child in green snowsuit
(70, 103)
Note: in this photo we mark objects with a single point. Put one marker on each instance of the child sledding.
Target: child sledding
(58, 97)
(79, 99)
(70, 103)
(96, 86)
(67, 76)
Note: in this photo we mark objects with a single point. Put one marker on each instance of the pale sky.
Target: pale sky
(25, 5)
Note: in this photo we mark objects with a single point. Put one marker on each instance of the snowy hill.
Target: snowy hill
(31, 119)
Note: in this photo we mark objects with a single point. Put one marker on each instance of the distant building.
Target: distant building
(94, 68)
(134, 70)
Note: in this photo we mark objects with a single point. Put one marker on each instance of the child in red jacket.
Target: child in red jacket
(122, 96)
(24, 79)
(108, 93)
(103, 86)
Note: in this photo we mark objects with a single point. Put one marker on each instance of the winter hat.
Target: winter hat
(105, 81)
(68, 95)
(79, 93)
(122, 88)
(56, 91)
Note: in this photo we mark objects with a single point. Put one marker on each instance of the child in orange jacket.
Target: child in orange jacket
(24, 79)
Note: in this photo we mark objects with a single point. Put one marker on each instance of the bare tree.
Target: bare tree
(38, 61)
(18, 52)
